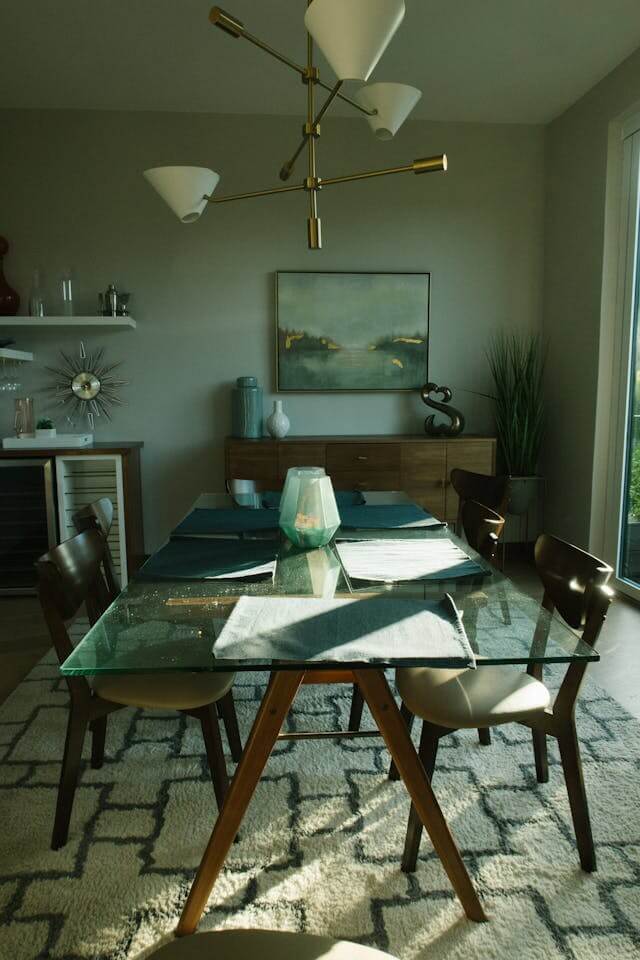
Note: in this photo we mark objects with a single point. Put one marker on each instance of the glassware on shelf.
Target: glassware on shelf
(24, 422)
(36, 297)
(67, 295)
(308, 510)
(9, 382)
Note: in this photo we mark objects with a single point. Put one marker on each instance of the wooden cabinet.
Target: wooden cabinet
(418, 465)
(84, 474)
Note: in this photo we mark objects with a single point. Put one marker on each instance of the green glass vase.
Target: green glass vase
(308, 510)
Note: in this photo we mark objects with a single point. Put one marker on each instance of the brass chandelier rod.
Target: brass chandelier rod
(423, 165)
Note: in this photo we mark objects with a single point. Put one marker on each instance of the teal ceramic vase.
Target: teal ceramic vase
(308, 510)
(246, 409)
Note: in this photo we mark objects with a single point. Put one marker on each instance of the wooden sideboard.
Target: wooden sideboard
(419, 465)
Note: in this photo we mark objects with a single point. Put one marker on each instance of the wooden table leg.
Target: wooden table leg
(274, 707)
(376, 692)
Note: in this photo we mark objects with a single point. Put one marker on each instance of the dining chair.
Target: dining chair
(575, 586)
(99, 516)
(266, 944)
(489, 490)
(482, 528)
(70, 577)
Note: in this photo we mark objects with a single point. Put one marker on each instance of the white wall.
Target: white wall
(575, 311)
(71, 193)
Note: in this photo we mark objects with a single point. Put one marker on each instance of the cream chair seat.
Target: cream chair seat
(464, 698)
(173, 691)
(266, 944)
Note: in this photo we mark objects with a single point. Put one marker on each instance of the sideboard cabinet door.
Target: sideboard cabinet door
(84, 478)
(478, 456)
(254, 460)
(424, 471)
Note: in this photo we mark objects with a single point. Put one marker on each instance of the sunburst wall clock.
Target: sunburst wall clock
(86, 382)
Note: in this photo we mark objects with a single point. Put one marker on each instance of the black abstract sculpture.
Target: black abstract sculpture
(456, 419)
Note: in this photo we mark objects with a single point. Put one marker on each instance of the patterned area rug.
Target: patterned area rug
(320, 848)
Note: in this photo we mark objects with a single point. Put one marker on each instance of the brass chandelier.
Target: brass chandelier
(352, 35)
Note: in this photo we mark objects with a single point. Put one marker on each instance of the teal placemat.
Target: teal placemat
(203, 522)
(387, 517)
(202, 559)
(344, 498)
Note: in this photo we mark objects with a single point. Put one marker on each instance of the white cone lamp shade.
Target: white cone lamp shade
(353, 34)
(184, 189)
(393, 103)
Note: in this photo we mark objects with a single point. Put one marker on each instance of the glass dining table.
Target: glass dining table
(170, 624)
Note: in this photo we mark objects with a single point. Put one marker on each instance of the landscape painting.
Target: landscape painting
(352, 331)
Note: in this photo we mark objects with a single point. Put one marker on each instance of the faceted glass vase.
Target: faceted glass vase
(308, 510)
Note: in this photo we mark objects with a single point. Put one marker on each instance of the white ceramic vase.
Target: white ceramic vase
(278, 422)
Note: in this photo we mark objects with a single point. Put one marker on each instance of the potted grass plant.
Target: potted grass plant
(517, 367)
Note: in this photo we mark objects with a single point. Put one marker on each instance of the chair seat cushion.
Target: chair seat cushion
(471, 698)
(175, 691)
(265, 944)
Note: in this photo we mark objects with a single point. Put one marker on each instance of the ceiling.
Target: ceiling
(502, 61)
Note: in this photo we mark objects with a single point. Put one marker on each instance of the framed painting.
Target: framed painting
(352, 331)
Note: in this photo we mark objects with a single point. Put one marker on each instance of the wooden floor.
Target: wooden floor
(23, 640)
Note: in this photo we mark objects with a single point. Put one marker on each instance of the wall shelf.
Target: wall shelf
(72, 322)
(22, 356)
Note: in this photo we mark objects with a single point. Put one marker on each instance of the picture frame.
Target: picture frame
(352, 332)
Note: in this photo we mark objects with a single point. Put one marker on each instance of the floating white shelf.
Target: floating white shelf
(8, 353)
(44, 322)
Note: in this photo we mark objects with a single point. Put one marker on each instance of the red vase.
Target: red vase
(9, 299)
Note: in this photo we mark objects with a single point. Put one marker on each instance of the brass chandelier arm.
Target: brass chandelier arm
(310, 130)
(235, 28)
(424, 165)
(256, 193)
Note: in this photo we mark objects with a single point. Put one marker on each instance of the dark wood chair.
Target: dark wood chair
(491, 491)
(99, 516)
(70, 576)
(482, 528)
(575, 585)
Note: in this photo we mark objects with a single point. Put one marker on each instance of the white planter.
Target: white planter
(278, 423)
(43, 434)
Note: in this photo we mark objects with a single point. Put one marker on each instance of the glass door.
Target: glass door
(624, 486)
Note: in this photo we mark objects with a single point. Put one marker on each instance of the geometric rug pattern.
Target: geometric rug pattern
(320, 848)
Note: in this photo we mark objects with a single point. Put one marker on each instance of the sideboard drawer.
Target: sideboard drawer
(299, 455)
(253, 461)
(365, 479)
(363, 458)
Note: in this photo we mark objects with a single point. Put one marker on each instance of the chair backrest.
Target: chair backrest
(575, 585)
(234, 486)
(99, 513)
(99, 516)
(489, 490)
(70, 576)
(482, 527)
(571, 579)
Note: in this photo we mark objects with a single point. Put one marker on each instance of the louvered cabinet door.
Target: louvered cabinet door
(80, 480)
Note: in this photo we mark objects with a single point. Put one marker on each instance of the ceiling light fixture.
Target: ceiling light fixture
(353, 35)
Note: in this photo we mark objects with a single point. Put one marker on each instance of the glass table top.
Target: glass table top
(171, 625)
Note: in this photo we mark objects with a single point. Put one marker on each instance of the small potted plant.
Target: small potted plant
(517, 366)
(45, 428)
